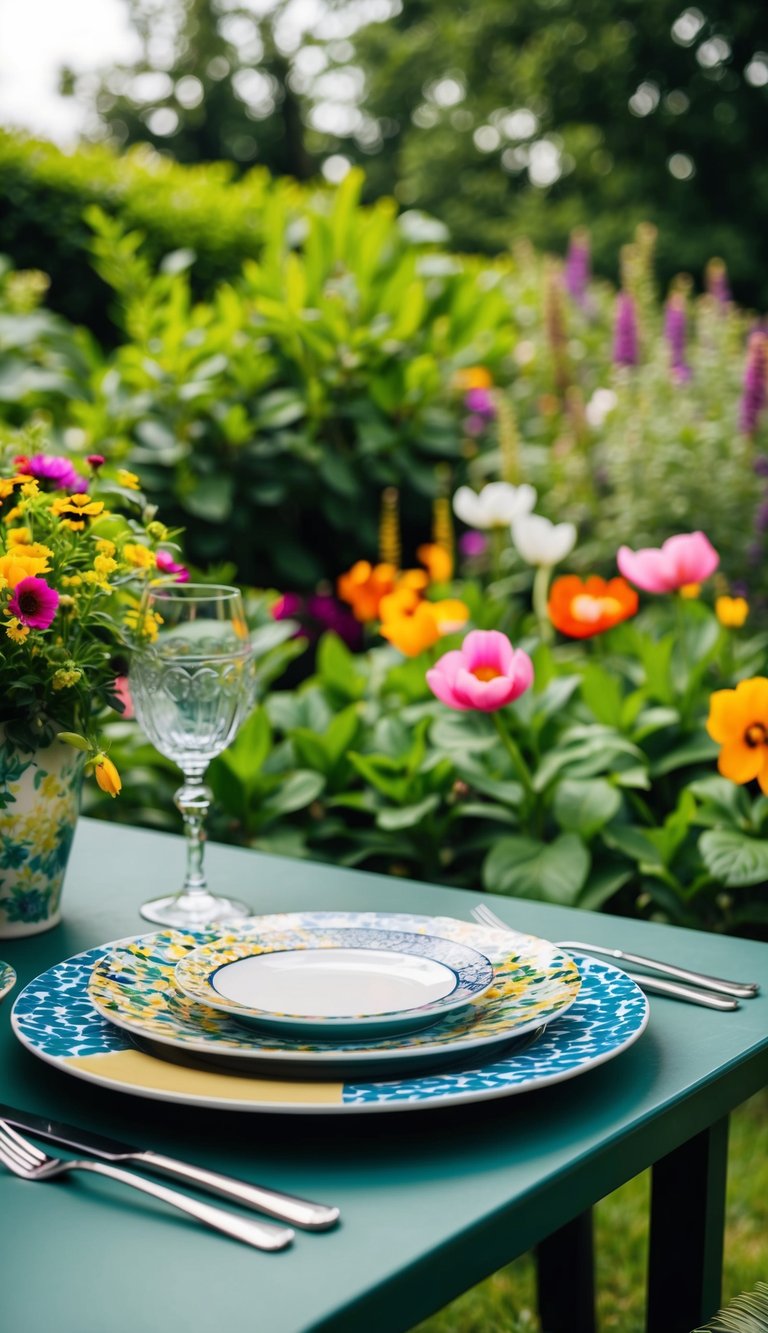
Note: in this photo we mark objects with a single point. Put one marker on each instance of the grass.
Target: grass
(506, 1302)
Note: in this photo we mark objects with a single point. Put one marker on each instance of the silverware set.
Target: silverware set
(29, 1162)
(677, 983)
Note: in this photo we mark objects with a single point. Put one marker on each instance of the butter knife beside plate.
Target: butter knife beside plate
(273, 1203)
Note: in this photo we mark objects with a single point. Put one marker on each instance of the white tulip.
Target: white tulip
(497, 505)
(541, 542)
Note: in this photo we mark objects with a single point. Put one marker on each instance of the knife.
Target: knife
(274, 1203)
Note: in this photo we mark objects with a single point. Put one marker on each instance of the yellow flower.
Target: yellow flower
(66, 677)
(71, 580)
(16, 632)
(107, 775)
(731, 611)
(690, 591)
(104, 565)
(13, 514)
(450, 614)
(473, 377)
(128, 479)
(19, 537)
(139, 556)
(105, 547)
(145, 626)
(23, 563)
(7, 484)
(30, 488)
(73, 511)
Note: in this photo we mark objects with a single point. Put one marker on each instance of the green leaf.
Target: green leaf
(553, 872)
(602, 693)
(584, 805)
(720, 801)
(212, 498)
(464, 731)
(339, 668)
(602, 884)
(297, 791)
(407, 816)
(698, 749)
(633, 842)
(733, 858)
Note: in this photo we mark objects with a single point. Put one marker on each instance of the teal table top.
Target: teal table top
(432, 1201)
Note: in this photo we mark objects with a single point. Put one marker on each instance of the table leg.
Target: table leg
(685, 1259)
(565, 1278)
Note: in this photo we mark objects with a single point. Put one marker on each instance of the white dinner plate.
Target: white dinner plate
(133, 984)
(54, 1018)
(329, 982)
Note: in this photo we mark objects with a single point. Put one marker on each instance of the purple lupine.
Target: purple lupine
(674, 332)
(625, 341)
(753, 394)
(717, 281)
(577, 266)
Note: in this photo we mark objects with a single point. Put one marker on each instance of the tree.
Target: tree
(211, 84)
(512, 117)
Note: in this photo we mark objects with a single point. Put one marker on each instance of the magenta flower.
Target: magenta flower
(675, 332)
(689, 557)
(168, 566)
(480, 402)
(486, 673)
(473, 544)
(755, 388)
(55, 469)
(577, 266)
(625, 344)
(34, 603)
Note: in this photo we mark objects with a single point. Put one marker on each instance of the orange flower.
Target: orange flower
(412, 630)
(583, 607)
(437, 562)
(363, 587)
(738, 721)
(473, 377)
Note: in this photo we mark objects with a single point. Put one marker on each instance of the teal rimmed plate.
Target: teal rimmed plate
(7, 979)
(133, 985)
(336, 982)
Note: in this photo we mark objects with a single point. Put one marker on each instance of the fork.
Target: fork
(653, 985)
(24, 1159)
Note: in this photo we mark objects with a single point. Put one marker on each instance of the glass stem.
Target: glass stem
(193, 799)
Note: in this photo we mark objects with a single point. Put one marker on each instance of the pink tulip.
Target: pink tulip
(689, 557)
(486, 673)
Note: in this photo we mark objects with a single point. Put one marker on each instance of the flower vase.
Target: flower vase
(39, 804)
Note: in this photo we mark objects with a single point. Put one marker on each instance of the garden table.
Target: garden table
(432, 1201)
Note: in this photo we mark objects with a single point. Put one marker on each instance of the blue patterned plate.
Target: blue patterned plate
(327, 982)
(54, 1018)
(7, 978)
(134, 986)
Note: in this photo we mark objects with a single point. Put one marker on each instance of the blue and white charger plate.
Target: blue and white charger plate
(54, 1018)
(7, 978)
(328, 981)
(134, 986)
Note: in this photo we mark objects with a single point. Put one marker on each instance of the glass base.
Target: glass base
(193, 911)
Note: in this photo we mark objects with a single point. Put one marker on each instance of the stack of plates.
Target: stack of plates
(330, 1012)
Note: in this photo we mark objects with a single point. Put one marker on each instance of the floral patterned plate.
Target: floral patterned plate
(134, 986)
(55, 1019)
(7, 978)
(327, 982)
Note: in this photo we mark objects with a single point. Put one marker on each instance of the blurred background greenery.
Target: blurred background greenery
(500, 119)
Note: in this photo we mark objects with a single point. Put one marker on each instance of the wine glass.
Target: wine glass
(192, 684)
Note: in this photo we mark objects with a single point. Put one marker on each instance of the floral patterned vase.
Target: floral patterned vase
(39, 804)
